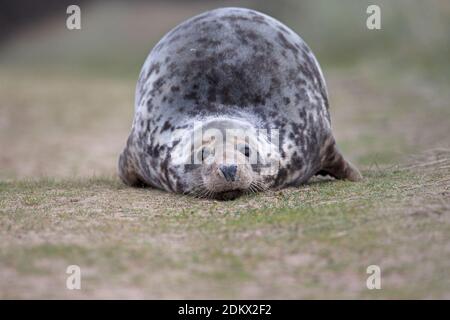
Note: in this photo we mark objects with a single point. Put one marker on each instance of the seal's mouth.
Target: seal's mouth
(228, 195)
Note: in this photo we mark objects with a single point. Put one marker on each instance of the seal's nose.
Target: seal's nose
(229, 171)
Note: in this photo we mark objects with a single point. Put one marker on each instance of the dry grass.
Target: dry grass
(68, 207)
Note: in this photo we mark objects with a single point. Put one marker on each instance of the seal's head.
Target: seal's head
(228, 158)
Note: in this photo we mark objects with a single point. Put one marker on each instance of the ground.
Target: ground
(61, 202)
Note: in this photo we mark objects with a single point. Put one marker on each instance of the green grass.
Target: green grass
(62, 204)
(311, 242)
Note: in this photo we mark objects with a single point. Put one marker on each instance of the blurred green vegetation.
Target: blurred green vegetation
(414, 34)
(116, 36)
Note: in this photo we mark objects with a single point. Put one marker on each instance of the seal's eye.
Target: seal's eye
(245, 149)
(204, 153)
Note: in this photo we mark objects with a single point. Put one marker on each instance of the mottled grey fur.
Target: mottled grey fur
(235, 63)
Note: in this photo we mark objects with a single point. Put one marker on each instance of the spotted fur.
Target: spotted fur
(231, 63)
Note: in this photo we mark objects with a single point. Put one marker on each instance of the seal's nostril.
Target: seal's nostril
(229, 171)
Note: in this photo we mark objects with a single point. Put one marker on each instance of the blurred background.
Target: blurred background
(66, 96)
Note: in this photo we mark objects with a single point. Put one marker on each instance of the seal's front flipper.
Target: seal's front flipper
(127, 167)
(342, 170)
(334, 164)
(127, 172)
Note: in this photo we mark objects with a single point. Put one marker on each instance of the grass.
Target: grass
(62, 204)
(311, 242)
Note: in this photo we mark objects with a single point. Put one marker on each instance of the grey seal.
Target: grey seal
(229, 102)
